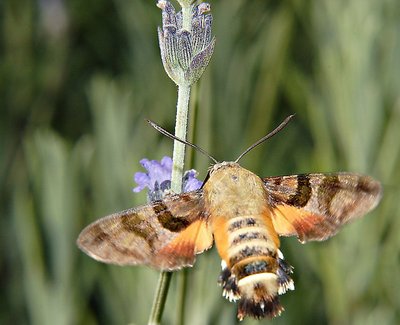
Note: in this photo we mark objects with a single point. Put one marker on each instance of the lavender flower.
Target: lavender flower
(158, 178)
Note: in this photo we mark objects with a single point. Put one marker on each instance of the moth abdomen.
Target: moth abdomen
(254, 265)
(249, 237)
(253, 273)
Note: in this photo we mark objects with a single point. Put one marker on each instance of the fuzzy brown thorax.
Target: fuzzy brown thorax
(232, 190)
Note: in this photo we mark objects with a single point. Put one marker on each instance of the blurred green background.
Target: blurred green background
(77, 79)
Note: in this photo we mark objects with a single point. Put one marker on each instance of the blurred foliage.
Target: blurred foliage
(77, 79)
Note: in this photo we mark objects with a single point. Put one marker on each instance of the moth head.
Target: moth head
(222, 166)
(217, 167)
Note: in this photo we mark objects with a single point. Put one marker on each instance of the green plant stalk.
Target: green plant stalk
(180, 131)
(181, 300)
(160, 298)
(176, 186)
(183, 275)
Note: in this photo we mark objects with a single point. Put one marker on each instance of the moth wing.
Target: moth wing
(164, 234)
(315, 206)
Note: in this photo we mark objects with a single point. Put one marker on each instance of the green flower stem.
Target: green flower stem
(180, 131)
(181, 303)
(160, 298)
(183, 275)
(176, 186)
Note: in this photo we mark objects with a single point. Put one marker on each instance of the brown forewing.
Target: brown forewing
(164, 234)
(315, 206)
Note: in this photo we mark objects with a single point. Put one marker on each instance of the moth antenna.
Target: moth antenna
(169, 135)
(269, 135)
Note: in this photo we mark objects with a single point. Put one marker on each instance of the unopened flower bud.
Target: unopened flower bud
(185, 54)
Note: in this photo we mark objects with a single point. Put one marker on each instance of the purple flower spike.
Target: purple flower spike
(158, 178)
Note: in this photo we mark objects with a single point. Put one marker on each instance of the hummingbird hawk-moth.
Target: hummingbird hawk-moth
(245, 215)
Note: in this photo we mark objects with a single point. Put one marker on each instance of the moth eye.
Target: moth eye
(234, 178)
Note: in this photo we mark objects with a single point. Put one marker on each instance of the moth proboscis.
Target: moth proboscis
(245, 215)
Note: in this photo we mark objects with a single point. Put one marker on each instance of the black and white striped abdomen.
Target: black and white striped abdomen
(248, 237)
(255, 272)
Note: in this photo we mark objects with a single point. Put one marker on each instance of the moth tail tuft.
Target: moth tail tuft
(259, 296)
(269, 307)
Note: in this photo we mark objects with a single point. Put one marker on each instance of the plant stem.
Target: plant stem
(181, 301)
(176, 186)
(183, 275)
(180, 131)
(160, 298)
